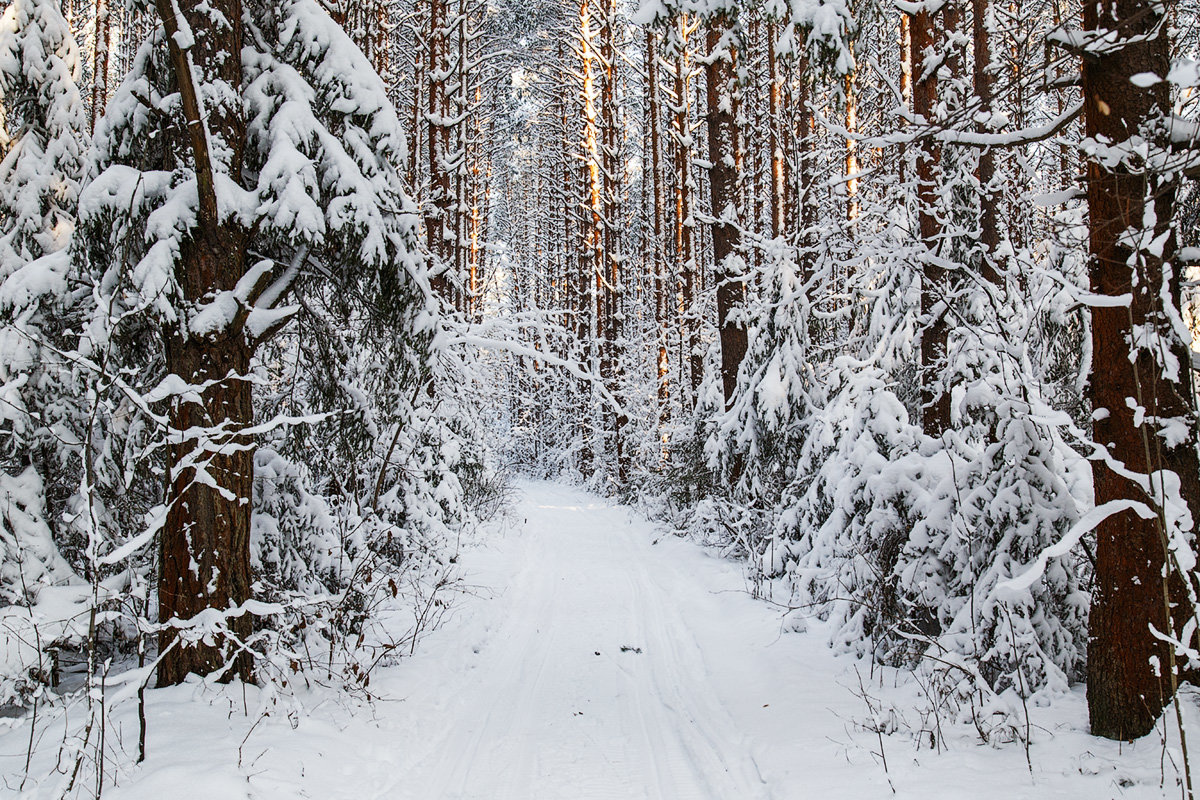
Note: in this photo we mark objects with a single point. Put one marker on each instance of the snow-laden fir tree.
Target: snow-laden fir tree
(42, 137)
(42, 132)
(246, 174)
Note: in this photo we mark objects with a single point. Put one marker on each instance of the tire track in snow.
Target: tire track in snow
(540, 716)
(705, 731)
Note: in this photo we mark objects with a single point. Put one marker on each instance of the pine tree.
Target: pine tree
(272, 176)
(42, 138)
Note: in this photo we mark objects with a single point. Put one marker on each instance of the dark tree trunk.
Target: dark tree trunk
(206, 541)
(205, 544)
(613, 288)
(989, 229)
(437, 217)
(1125, 690)
(723, 185)
(805, 201)
(662, 300)
(935, 402)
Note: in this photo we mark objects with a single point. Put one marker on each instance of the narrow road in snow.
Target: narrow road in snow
(607, 665)
(593, 685)
(595, 658)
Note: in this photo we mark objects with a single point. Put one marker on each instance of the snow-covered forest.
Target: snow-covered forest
(533, 399)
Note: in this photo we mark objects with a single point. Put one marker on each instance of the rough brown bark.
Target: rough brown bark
(989, 228)
(721, 116)
(926, 37)
(612, 285)
(437, 143)
(205, 543)
(662, 300)
(1125, 691)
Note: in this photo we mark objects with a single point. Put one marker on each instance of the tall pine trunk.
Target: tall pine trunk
(989, 228)
(723, 185)
(1130, 676)
(935, 401)
(205, 544)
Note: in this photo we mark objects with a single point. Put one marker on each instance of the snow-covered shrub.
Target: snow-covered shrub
(42, 138)
(901, 541)
(42, 132)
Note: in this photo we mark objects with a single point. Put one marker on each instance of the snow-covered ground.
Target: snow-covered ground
(595, 658)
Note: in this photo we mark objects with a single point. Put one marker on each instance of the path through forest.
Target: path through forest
(594, 657)
(609, 667)
(608, 660)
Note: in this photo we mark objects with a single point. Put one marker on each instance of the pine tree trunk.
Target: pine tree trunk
(989, 228)
(205, 552)
(662, 300)
(205, 543)
(934, 401)
(100, 51)
(805, 147)
(723, 185)
(437, 146)
(851, 88)
(614, 279)
(779, 165)
(691, 366)
(1129, 672)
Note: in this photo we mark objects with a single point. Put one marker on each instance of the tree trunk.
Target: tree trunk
(691, 366)
(662, 300)
(437, 212)
(935, 402)
(779, 166)
(205, 543)
(100, 50)
(989, 229)
(851, 87)
(723, 185)
(613, 284)
(805, 147)
(1130, 675)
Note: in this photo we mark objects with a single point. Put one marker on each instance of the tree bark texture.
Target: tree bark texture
(723, 185)
(1126, 690)
(205, 543)
(935, 401)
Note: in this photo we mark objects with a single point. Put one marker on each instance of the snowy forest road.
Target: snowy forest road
(603, 659)
(608, 665)
(595, 657)
(594, 684)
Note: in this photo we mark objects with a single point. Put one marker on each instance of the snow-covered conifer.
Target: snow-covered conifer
(288, 202)
(42, 137)
(42, 132)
